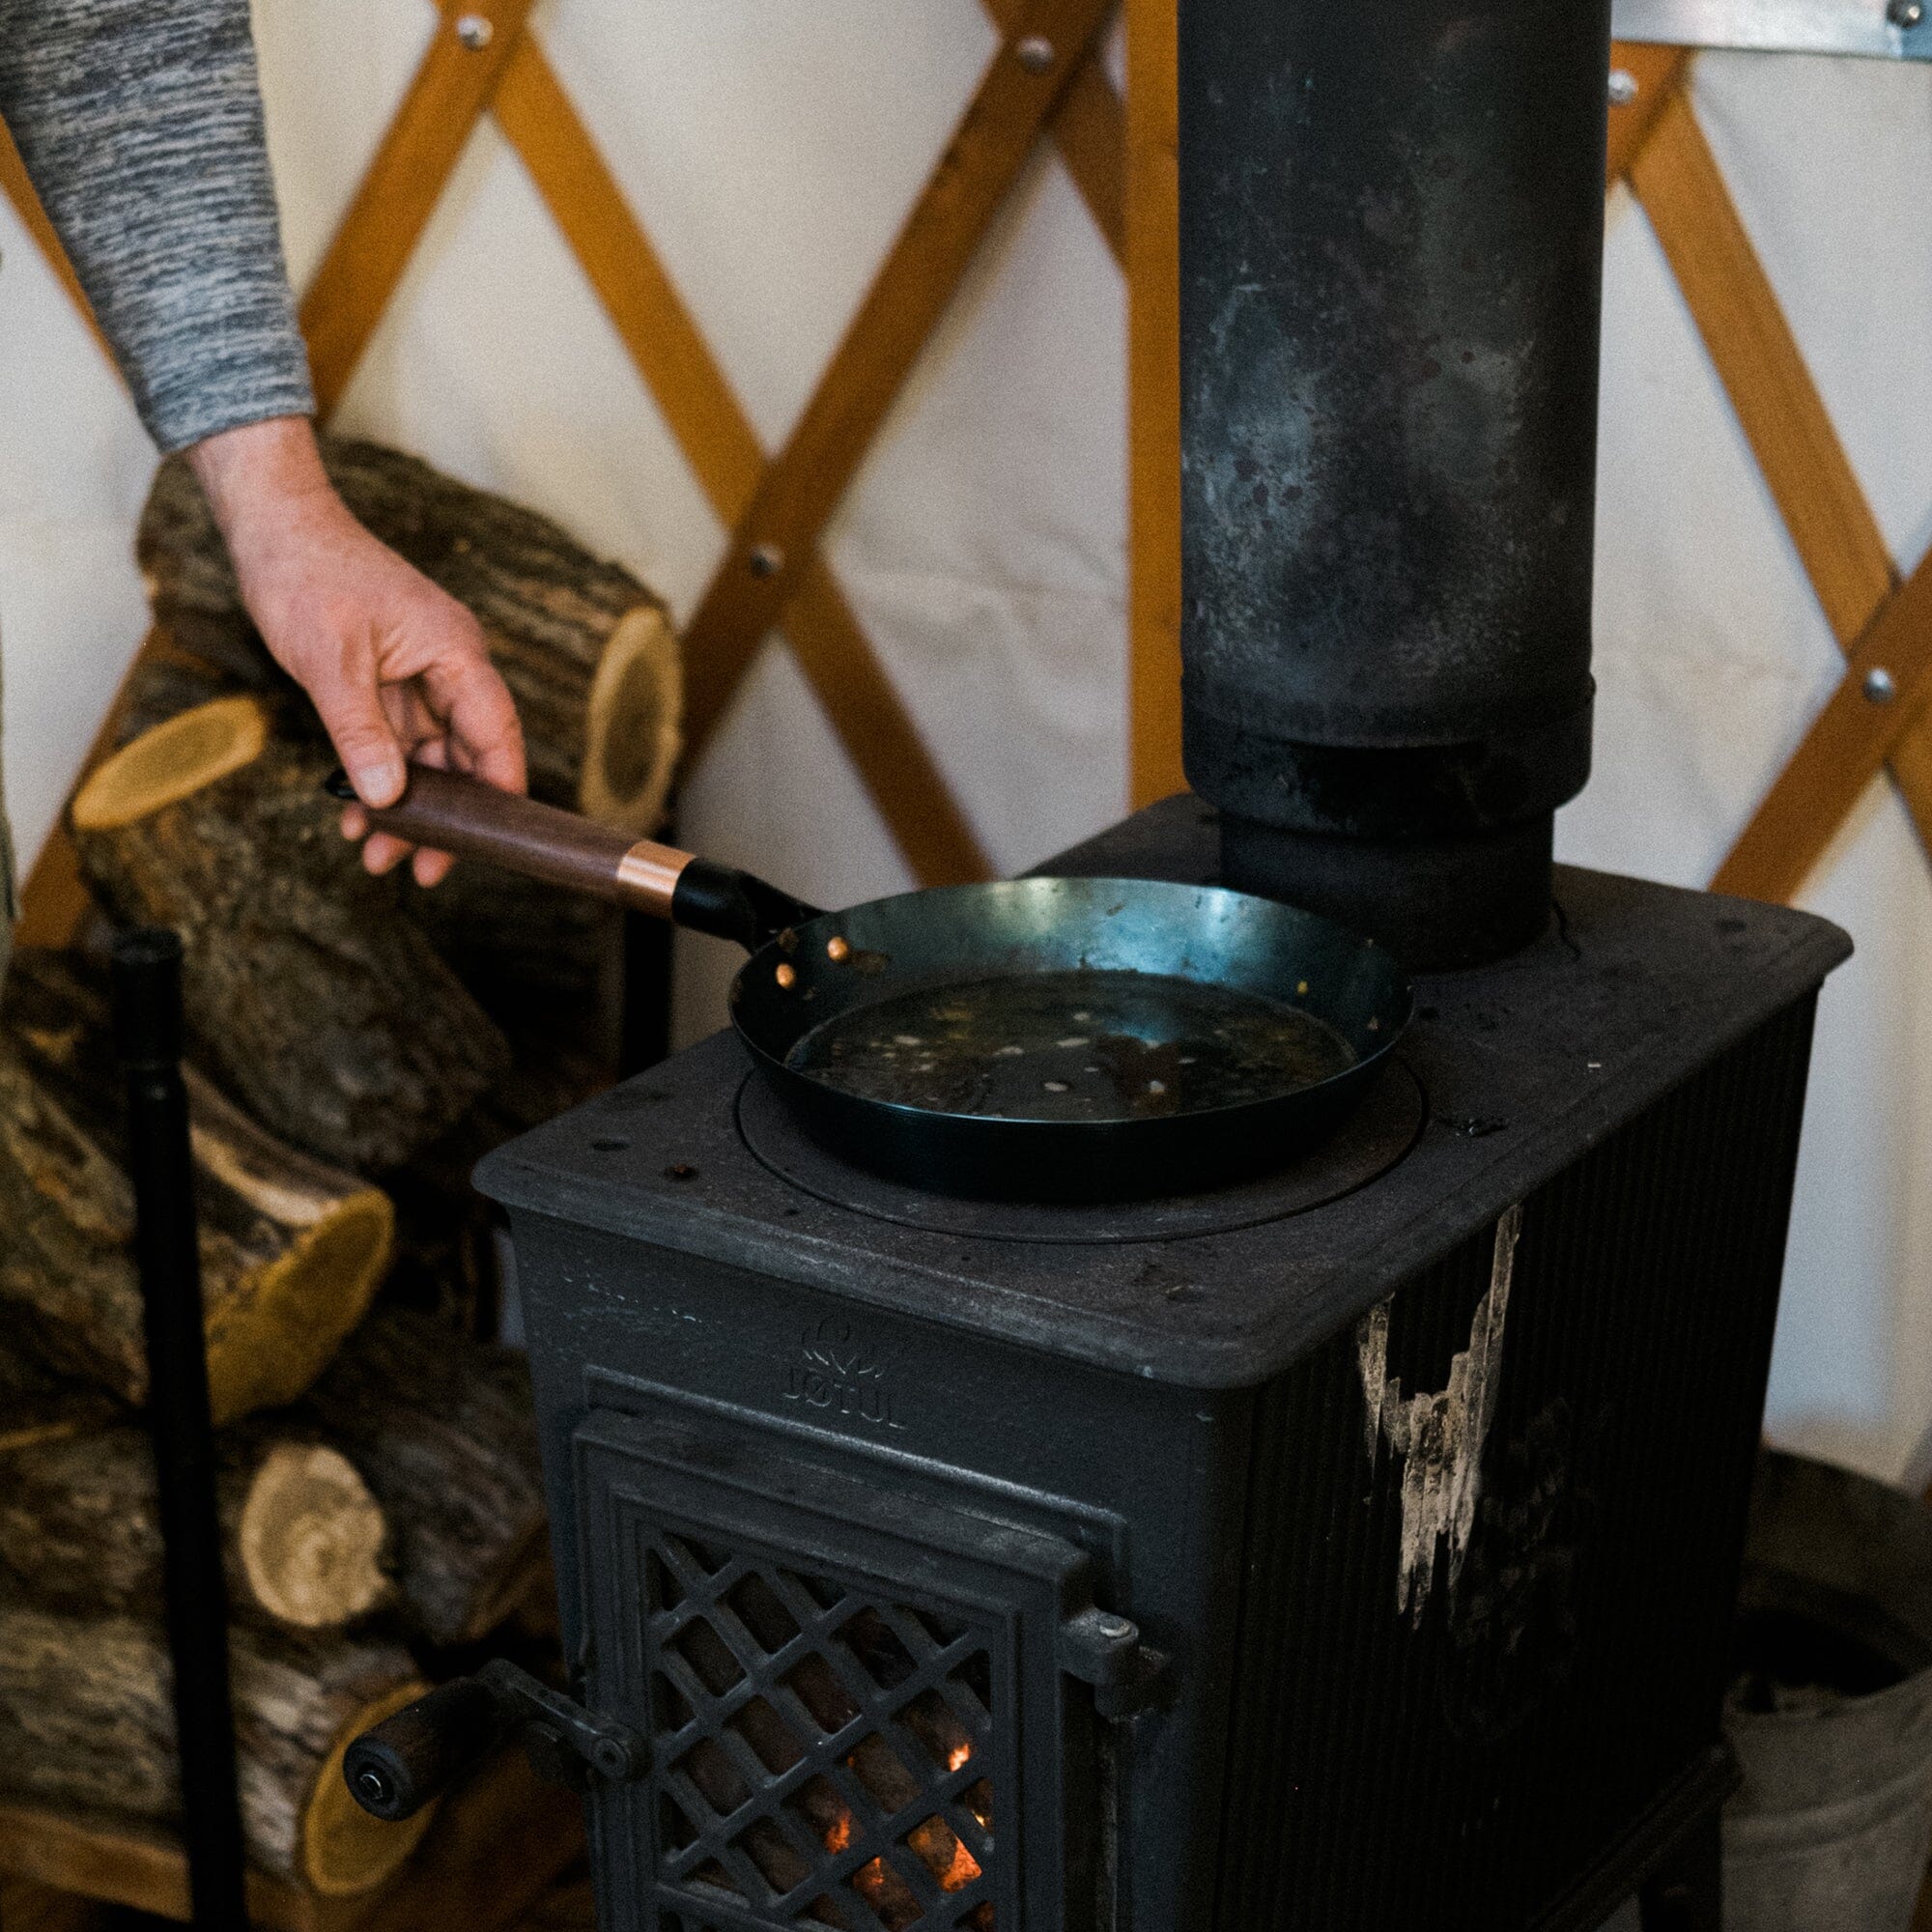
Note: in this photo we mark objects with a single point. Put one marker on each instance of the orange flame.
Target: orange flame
(870, 1879)
(962, 1871)
(945, 1856)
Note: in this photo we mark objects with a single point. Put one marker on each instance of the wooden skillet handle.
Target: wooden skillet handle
(473, 820)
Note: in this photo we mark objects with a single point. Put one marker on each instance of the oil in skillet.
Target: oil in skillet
(1072, 1046)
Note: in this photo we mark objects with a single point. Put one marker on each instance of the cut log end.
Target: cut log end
(343, 1851)
(634, 732)
(268, 1344)
(172, 762)
(310, 1537)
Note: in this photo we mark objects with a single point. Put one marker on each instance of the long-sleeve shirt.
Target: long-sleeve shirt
(141, 125)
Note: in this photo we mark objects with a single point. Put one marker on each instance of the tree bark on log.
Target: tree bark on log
(586, 650)
(39, 1407)
(445, 1243)
(195, 660)
(86, 1721)
(329, 1016)
(291, 1250)
(443, 1432)
(301, 1536)
(535, 958)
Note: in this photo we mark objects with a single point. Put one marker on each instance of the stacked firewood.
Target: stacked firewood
(354, 1044)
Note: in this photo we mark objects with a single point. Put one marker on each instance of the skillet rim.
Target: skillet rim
(1334, 1088)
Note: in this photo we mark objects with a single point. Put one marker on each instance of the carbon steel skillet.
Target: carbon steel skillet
(1035, 1040)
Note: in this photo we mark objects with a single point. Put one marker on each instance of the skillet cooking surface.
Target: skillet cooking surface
(1072, 1046)
(1069, 1038)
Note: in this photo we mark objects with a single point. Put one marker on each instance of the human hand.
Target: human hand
(396, 668)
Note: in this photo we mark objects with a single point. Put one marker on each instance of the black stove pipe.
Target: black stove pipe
(1391, 233)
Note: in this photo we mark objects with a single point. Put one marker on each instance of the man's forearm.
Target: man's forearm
(140, 124)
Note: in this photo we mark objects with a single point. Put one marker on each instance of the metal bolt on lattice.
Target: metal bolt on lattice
(475, 32)
(1624, 87)
(1036, 53)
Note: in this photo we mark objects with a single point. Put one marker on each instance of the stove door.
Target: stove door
(856, 1699)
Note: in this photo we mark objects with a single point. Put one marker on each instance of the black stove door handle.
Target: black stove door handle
(396, 1767)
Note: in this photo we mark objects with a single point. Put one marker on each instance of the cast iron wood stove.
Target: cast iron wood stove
(1351, 1549)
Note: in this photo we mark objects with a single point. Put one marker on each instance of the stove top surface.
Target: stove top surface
(1509, 1073)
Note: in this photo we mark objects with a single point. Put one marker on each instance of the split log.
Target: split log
(87, 1722)
(443, 1432)
(291, 1250)
(301, 1536)
(332, 1018)
(586, 650)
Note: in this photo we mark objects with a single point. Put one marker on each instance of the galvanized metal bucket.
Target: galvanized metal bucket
(1831, 1715)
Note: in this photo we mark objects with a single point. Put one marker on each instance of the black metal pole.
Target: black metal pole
(147, 1033)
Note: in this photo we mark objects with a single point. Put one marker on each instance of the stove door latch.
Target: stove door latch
(1106, 1651)
(396, 1767)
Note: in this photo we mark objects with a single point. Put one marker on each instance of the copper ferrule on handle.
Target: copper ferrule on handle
(647, 876)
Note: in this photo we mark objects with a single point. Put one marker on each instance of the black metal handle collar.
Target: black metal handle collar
(730, 904)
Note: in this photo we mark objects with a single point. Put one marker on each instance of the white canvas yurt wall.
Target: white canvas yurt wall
(771, 147)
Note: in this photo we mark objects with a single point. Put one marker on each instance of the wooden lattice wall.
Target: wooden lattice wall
(1046, 81)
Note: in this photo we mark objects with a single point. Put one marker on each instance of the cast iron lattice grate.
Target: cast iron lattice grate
(821, 1751)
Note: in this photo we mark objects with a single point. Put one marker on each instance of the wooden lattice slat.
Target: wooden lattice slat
(912, 289)
(1750, 342)
(1153, 418)
(1088, 128)
(1880, 627)
(1090, 131)
(721, 447)
(392, 206)
(1657, 73)
(1845, 749)
(20, 190)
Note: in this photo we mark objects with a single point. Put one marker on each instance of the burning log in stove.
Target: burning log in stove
(872, 1719)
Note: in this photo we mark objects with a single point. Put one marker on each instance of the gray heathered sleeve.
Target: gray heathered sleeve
(141, 125)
